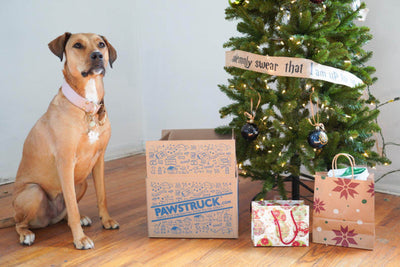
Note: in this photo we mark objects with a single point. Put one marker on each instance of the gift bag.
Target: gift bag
(279, 223)
(343, 210)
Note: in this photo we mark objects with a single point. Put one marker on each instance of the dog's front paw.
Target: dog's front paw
(84, 243)
(109, 224)
(86, 221)
(27, 238)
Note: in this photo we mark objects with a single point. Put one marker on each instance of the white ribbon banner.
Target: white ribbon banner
(290, 67)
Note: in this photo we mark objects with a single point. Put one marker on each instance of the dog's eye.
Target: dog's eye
(102, 45)
(78, 45)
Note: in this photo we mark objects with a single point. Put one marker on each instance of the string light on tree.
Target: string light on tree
(236, 3)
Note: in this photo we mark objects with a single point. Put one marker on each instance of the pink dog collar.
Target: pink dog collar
(77, 100)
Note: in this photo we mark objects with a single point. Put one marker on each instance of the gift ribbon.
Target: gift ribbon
(315, 122)
(279, 228)
(252, 116)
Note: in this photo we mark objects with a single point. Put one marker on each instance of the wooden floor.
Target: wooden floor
(130, 246)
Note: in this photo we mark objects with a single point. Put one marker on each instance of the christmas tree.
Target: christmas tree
(289, 110)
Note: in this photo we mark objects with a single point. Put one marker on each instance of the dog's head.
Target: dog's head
(86, 54)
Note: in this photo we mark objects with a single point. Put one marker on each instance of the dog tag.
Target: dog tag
(92, 124)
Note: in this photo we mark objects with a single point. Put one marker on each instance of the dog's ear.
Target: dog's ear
(57, 46)
(112, 53)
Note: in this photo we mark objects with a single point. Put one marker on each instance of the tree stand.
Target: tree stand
(296, 183)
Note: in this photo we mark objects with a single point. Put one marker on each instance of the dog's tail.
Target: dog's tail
(8, 222)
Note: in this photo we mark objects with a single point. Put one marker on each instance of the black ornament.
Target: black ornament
(249, 131)
(317, 1)
(317, 138)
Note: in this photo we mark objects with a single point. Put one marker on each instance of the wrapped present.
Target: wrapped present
(280, 223)
(343, 210)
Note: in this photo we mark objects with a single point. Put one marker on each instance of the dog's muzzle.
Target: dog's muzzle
(97, 65)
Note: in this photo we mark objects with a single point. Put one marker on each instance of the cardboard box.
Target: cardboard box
(192, 185)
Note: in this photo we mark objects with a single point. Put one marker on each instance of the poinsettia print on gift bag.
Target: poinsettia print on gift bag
(280, 223)
(343, 210)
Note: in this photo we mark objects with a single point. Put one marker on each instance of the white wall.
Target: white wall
(182, 61)
(30, 74)
(170, 60)
(384, 24)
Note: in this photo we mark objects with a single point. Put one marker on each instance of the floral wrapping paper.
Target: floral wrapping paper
(265, 231)
(343, 212)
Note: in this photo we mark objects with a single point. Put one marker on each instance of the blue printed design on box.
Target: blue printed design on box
(190, 159)
(184, 208)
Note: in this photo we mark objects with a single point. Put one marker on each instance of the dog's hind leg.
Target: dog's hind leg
(31, 208)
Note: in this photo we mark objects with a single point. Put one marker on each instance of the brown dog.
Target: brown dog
(67, 144)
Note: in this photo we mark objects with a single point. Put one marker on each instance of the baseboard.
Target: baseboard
(6, 180)
(112, 153)
(123, 151)
(388, 189)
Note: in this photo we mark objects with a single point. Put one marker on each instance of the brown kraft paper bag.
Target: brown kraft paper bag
(344, 210)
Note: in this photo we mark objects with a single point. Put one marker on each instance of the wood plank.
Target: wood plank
(130, 246)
